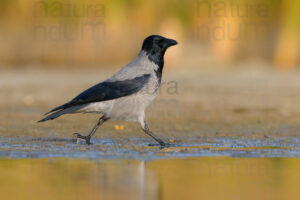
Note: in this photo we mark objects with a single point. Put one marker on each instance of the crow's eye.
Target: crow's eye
(156, 41)
(159, 42)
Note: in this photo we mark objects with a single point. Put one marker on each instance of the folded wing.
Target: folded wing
(106, 90)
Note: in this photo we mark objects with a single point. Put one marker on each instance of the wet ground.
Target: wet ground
(141, 149)
(232, 134)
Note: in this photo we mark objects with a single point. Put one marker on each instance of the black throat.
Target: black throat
(157, 57)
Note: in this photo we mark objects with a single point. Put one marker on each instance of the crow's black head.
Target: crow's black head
(155, 47)
(157, 44)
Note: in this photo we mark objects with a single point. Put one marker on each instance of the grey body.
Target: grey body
(132, 107)
(125, 95)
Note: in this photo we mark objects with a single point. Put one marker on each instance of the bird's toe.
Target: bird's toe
(82, 137)
(161, 143)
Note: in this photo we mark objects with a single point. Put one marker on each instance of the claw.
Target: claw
(161, 143)
(83, 137)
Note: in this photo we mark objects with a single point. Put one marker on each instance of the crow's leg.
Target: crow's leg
(88, 137)
(146, 129)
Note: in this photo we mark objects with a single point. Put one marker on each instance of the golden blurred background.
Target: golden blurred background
(55, 33)
(50, 50)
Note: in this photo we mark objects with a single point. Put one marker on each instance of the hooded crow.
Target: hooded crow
(125, 95)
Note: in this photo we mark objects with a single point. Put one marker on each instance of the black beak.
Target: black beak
(171, 42)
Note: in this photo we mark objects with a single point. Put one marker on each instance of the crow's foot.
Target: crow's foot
(83, 137)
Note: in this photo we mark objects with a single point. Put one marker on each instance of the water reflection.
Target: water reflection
(188, 178)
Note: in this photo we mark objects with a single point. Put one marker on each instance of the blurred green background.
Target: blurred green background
(55, 33)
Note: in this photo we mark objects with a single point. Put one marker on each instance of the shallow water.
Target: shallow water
(137, 148)
(223, 168)
(184, 178)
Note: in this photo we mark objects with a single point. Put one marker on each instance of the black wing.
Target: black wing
(107, 91)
